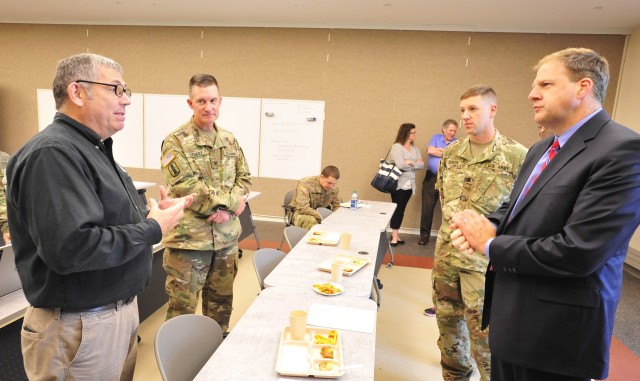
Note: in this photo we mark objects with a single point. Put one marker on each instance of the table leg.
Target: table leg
(376, 289)
(383, 244)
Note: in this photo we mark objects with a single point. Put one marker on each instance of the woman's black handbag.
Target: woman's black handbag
(386, 179)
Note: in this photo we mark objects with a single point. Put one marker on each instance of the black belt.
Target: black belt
(107, 307)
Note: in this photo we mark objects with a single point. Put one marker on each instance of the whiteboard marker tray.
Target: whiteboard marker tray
(351, 263)
(316, 355)
(324, 238)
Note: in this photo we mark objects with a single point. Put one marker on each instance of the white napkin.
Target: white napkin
(347, 318)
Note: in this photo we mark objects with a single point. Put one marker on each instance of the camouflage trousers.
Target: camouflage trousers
(191, 271)
(458, 296)
(304, 221)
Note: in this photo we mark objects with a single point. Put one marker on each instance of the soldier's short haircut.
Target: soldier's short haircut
(331, 171)
(83, 66)
(480, 90)
(202, 80)
(582, 63)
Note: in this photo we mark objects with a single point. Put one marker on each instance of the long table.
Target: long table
(375, 215)
(250, 351)
(299, 268)
(12, 307)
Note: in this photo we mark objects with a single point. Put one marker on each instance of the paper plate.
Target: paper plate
(338, 287)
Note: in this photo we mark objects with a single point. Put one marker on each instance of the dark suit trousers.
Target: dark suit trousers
(429, 200)
(505, 371)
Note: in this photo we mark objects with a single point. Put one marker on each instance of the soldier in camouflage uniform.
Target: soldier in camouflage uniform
(476, 173)
(201, 252)
(315, 192)
(4, 226)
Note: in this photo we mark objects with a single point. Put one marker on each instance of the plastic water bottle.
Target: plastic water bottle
(354, 200)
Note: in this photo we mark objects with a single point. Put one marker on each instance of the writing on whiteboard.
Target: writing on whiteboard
(291, 138)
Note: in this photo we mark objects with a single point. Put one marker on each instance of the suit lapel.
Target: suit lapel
(573, 147)
(533, 157)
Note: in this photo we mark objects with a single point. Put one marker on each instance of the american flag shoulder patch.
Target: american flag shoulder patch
(168, 158)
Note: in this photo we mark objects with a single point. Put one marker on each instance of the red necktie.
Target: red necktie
(552, 153)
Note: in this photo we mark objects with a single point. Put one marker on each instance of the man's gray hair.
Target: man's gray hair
(80, 66)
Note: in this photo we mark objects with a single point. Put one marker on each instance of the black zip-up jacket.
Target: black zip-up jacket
(78, 231)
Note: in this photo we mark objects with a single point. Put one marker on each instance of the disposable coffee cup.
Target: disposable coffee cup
(297, 324)
(345, 240)
(336, 271)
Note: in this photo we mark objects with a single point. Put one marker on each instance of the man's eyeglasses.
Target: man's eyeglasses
(117, 89)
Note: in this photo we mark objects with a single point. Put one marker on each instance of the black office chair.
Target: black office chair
(288, 212)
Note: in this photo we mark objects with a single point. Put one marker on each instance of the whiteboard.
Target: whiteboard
(164, 113)
(242, 117)
(127, 144)
(291, 138)
(280, 138)
(46, 108)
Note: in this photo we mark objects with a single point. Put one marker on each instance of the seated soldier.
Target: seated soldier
(314, 192)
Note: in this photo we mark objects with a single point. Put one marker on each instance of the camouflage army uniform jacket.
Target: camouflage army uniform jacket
(311, 195)
(4, 227)
(217, 172)
(481, 184)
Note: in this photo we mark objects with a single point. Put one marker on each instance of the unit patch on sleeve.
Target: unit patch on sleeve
(174, 169)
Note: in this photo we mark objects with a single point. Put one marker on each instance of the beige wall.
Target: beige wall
(626, 108)
(371, 81)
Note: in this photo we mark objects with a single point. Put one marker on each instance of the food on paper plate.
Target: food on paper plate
(327, 288)
(318, 233)
(347, 269)
(325, 365)
(358, 261)
(331, 338)
(326, 352)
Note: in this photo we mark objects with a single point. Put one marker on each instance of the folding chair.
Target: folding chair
(264, 261)
(288, 212)
(294, 234)
(184, 344)
(324, 212)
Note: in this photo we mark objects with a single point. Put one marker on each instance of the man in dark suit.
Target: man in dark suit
(557, 248)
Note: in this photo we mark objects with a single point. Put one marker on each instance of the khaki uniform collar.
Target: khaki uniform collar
(209, 140)
(464, 150)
